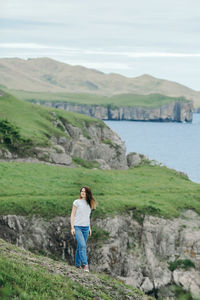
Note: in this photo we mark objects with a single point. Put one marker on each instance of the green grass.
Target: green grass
(25, 282)
(49, 191)
(35, 123)
(152, 100)
(26, 276)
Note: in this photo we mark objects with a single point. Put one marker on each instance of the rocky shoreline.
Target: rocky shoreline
(176, 111)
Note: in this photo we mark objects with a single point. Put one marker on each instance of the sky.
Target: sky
(129, 37)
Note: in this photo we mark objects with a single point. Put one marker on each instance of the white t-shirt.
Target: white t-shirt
(83, 210)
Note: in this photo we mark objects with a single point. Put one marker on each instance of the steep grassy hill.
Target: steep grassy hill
(25, 276)
(24, 125)
(47, 75)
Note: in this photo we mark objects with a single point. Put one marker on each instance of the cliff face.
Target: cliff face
(137, 251)
(174, 112)
(93, 142)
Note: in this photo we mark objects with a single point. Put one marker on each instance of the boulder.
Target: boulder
(135, 159)
(190, 280)
(147, 285)
(54, 155)
(102, 164)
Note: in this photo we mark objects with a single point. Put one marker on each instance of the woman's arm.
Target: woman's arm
(90, 231)
(72, 219)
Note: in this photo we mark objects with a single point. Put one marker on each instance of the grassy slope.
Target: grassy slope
(25, 276)
(36, 122)
(49, 191)
(152, 100)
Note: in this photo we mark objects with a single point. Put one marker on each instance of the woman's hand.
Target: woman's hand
(72, 219)
(90, 232)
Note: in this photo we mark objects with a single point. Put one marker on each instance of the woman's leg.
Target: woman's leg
(85, 231)
(77, 255)
(81, 235)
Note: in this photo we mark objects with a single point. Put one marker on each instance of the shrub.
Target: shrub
(9, 133)
(11, 138)
(181, 263)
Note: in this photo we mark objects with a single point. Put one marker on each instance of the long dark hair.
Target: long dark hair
(89, 198)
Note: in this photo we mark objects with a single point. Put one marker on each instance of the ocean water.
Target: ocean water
(176, 145)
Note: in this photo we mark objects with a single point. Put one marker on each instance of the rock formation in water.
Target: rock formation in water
(176, 111)
(148, 252)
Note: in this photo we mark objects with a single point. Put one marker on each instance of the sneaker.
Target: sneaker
(78, 267)
(85, 268)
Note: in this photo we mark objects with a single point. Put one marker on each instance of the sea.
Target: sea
(175, 145)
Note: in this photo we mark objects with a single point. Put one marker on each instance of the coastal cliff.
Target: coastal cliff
(176, 111)
(148, 252)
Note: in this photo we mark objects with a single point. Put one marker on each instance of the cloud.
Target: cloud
(99, 52)
(21, 24)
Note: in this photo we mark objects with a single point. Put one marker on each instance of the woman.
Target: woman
(80, 225)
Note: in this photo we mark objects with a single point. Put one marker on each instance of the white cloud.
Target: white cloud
(68, 50)
(161, 54)
(105, 66)
(23, 46)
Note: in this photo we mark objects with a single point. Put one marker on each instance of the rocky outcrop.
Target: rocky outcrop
(137, 250)
(94, 142)
(135, 159)
(177, 111)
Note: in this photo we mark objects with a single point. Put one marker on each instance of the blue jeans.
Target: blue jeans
(81, 235)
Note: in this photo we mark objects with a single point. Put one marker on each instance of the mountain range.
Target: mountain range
(48, 75)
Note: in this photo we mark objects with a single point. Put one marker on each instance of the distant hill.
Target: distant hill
(47, 75)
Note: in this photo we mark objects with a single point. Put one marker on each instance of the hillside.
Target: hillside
(47, 75)
(145, 230)
(29, 131)
(147, 189)
(36, 123)
(26, 276)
